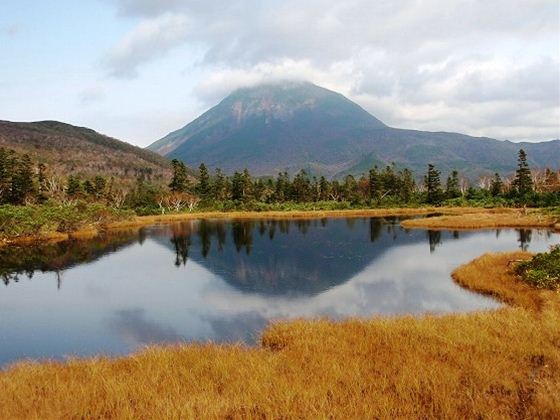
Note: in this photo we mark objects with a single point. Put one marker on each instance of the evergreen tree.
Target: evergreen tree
(301, 187)
(407, 185)
(5, 175)
(73, 186)
(219, 186)
(42, 182)
(259, 190)
(551, 180)
(237, 186)
(497, 185)
(324, 189)
(452, 187)
(374, 184)
(180, 181)
(350, 189)
(203, 187)
(247, 185)
(22, 180)
(390, 181)
(88, 188)
(314, 190)
(433, 185)
(100, 186)
(523, 182)
(282, 189)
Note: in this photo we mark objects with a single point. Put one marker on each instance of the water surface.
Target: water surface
(224, 280)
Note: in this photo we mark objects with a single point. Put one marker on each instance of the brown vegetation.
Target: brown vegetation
(499, 364)
(67, 149)
(484, 219)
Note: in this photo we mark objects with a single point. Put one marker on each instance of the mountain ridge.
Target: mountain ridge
(68, 149)
(297, 125)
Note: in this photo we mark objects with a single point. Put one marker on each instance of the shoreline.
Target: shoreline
(482, 220)
(449, 218)
(502, 361)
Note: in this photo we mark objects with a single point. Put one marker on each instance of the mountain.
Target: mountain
(294, 125)
(67, 149)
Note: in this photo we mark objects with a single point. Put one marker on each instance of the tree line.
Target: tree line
(387, 186)
(23, 181)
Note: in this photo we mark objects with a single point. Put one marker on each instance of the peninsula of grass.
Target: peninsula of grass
(495, 364)
(459, 219)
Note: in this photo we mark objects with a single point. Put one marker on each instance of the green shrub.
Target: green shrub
(543, 270)
(53, 217)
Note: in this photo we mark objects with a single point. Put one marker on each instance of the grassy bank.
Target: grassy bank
(498, 364)
(486, 219)
(56, 221)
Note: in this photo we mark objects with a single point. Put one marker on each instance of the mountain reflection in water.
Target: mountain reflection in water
(223, 280)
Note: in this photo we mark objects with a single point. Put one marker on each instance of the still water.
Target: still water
(224, 280)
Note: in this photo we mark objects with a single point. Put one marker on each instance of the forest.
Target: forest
(24, 182)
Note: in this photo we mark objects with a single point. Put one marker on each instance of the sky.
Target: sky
(138, 69)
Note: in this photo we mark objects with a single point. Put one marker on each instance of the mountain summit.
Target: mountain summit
(288, 126)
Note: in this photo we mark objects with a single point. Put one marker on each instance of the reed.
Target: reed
(484, 220)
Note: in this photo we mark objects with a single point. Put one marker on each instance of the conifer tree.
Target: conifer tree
(324, 189)
(203, 187)
(22, 180)
(237, 186)
(407, 185)
(88, 188)
(5, 175)
(246, 184)
(452, 186)
(73, 186)
(433, 185)
(497, 185)
(100, 186)
(180, 181)
(219, 186)
(301, 186)
(350, 188)
(42, 182)
(374, 184)
(523, 182)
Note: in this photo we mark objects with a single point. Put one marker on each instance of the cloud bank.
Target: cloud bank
(479, 67)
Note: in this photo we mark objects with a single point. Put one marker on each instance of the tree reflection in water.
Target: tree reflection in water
(311, 256)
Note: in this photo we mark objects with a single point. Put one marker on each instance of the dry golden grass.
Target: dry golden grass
(499, 364)
(498, 283)
(512, 218)
(304, 214)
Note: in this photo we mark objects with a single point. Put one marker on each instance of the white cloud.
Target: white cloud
(148, 41)
(481, 67)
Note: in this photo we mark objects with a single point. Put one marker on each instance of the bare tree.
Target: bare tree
(118, 198)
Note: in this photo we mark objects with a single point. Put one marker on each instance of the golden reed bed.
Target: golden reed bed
(496, 364)
(512, 218)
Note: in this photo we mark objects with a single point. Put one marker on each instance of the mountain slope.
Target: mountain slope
(290, 126)
(68, 149)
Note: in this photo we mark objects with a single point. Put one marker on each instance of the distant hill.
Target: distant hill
(67, 149)
(294, 125)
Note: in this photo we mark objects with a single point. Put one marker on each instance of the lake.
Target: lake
(223, 281)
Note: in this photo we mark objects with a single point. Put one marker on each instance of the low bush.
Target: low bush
(543, 270)
(54, 217)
